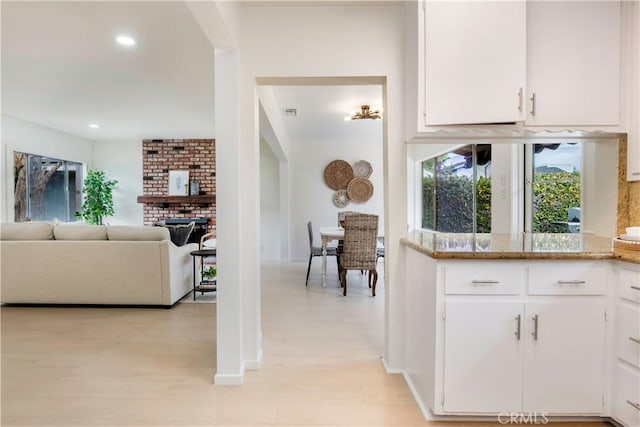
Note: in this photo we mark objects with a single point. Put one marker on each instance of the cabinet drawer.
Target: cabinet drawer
(627, 390)
(628, 334)
(471, 278)
(629, 284)
(567, 279)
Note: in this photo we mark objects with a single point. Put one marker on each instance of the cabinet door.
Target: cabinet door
(482, 358)
(573, 62)
(474, 62)
(632, 14)
(564, 357)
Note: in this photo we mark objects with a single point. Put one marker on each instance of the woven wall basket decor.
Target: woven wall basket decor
(338, 174)
(362, 168)
(360, 189)
(340, 199)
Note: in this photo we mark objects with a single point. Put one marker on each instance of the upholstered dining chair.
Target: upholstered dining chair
(317, 251)
(359, 248)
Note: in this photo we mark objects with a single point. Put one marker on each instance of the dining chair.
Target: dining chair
(317, 251)
(359, 248)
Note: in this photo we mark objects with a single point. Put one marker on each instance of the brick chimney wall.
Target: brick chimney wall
(159, 156)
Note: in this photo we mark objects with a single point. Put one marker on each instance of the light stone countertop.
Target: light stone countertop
(515, 246)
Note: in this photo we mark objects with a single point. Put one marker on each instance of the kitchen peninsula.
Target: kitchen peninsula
(523, 323)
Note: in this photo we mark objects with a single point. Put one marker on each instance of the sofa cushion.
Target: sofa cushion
(179, 232)
(31, 230)
(79, 232)
(132, 232)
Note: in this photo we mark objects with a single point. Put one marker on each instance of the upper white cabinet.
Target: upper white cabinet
(544, 63)
(573, 63)
(475, 62)
(631, 26)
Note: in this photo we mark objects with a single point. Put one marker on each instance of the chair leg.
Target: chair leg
(343, 282)
(373, 274)
(308, 270)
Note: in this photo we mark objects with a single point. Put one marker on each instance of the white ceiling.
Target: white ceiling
(321, 111)
(61, 68)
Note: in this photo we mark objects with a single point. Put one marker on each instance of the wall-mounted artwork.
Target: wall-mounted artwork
(178, 183)
(351, 183)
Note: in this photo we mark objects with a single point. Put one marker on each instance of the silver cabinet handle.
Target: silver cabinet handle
(519, 320)
(635, 288)
(634, 404)
(533, 104)
(635, 173)
(485, 282)
(535, 327)
(635, 340)
(571, 282)
(520, 100)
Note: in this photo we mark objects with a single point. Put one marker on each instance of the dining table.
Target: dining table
(327, 235)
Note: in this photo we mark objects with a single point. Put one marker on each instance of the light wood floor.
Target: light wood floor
(155, 367)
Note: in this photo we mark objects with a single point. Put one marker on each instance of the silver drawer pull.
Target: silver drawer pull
(571, 282)
(635, 173)
(634, 404)
(485, 282)
(635, 288)
(635, 340)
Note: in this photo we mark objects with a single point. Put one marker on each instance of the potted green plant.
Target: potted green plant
(98, 197)
(209, 274)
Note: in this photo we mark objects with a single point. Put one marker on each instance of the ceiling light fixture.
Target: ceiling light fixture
(365, 113)
(125, 40)
(94, 126)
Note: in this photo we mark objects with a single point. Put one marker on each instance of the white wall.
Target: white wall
(312, 198)
(269, 204)
(122, 160)
(19, 135)
(314, 41)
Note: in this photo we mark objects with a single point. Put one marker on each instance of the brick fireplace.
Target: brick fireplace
(159, 156)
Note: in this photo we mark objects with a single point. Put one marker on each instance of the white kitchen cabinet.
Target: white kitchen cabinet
(558, 345)
(626, 387)
(631, 14)
(475, 62)
(573, 63)
(475, 353)
(564, 352)
(541, 63)
(482, 357)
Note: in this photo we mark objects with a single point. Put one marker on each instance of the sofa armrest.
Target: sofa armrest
(180, 271)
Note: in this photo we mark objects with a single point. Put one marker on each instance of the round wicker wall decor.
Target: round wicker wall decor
(338, 174)
(340, 199)
(360, 189)
(362, 168)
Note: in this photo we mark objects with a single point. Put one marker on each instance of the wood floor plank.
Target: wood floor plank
(129, 367)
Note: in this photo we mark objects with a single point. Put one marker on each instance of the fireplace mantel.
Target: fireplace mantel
(206, 199)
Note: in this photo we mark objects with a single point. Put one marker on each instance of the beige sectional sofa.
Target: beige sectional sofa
(45, 263)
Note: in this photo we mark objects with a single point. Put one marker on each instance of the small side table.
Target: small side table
(202, 253)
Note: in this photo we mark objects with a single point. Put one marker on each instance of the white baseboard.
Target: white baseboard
(254, 364)
(388, 369)
(228, 379)
(426, 412)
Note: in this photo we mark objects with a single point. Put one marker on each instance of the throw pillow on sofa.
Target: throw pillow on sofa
(179, 232)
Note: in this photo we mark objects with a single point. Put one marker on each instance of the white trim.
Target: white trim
(388, 369)
(254, 364)
(426, 412)
(228, 379)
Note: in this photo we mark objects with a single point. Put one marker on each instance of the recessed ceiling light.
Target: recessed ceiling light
(125, 40)
(94, 126)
